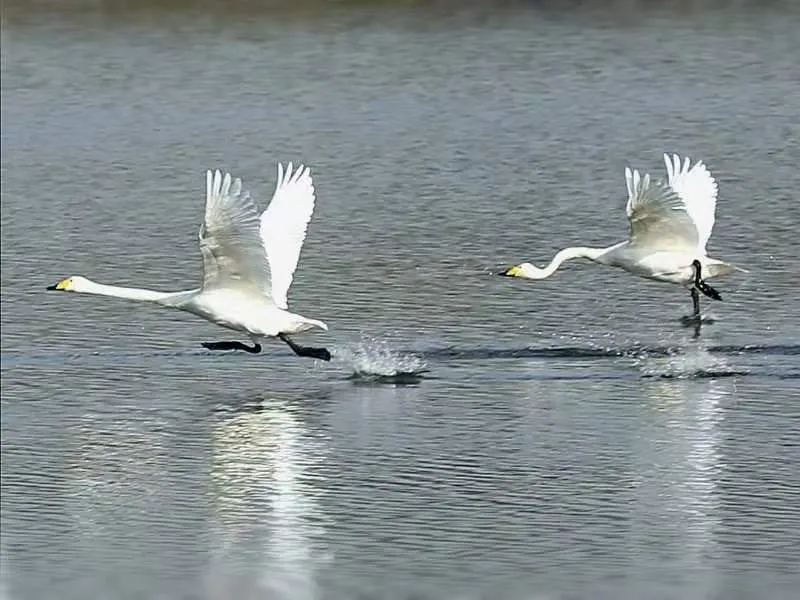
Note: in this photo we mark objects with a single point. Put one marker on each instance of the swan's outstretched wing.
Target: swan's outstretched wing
(698, 190)
(672, 214)
(284, 225)
(229, 237)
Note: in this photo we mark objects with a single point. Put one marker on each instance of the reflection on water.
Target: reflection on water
(704, 467)
(679, 470)
(265, 512)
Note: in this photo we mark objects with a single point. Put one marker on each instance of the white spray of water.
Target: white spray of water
(683, 363)
(375, 357)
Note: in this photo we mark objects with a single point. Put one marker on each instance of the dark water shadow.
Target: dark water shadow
(699, 374)
(13, 358)
(585, 352)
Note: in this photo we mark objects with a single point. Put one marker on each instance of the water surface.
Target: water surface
(570, 438)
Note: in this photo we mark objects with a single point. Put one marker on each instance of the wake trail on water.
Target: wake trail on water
(382, 359)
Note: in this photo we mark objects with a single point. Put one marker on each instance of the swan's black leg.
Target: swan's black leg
(702, 285)
(699, 286)
(695, 303)
(694, 320)
(698, 320)
(320, 353)
(255, 349)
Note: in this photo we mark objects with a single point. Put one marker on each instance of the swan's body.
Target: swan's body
(661, 265)
(670, 223)
(248, 263)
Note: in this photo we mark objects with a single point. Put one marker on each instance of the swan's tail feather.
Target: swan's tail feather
(302, 324)
(720, 268)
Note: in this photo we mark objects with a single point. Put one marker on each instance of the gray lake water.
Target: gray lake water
(570, 439)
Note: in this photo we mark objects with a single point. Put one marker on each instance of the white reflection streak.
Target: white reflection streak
(687, 465)
(290, 570)
(703, 461)
(261, 500)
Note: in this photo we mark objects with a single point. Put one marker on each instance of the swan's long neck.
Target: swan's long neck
(128, 293)
(594, 254)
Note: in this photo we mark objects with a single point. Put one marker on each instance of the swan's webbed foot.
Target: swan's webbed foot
(708, 290)
(319, 353)
(254, 349)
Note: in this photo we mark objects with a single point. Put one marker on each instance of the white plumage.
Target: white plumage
(674, 214)
(283, 228)
(670, 223)
(249, 262)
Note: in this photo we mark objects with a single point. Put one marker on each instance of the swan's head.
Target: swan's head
(524, 270)
(76, 283)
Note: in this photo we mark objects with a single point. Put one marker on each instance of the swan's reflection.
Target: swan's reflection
(267, 524)
(680, 467)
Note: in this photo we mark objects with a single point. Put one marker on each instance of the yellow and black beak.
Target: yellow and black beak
(60, 286)
(511, 272)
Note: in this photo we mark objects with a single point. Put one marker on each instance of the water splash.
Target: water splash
(375, 358)
(684, 363)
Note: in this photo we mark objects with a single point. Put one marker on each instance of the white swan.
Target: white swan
(248, 263)
(670, 223)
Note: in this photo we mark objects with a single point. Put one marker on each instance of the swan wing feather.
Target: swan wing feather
(672, 214)
(284, 225)
(698, 190)
(233, 256)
